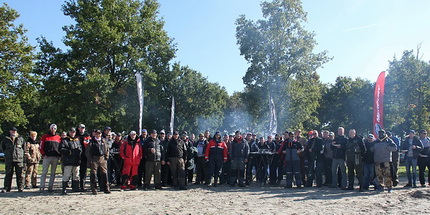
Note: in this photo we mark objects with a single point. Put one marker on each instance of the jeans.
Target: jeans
(369, 172)
(411, 162)
(335, 164)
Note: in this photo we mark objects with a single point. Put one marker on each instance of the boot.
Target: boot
(82, 185)
(75, 186)
(93, 184)
(65, 183)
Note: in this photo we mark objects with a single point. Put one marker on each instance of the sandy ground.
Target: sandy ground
(199, 199)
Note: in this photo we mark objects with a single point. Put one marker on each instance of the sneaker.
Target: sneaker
(408, 185)
(414, 186)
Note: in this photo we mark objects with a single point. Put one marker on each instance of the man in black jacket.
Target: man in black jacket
(355, 150)
(315, 155)
(13, 148)
(339, 149)
(176, 157)
(70, 149)
(154, 156)
(97, 154)
(239, 157)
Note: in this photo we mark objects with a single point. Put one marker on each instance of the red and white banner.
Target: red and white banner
(378, 104)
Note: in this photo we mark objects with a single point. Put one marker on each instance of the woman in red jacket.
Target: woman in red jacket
(131, 153)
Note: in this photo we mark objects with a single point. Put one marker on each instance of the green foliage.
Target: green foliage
(17, 84)
(280, 53)
(347, 103)
(407, 93)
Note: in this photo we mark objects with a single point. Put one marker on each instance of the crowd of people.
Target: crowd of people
(132, 161)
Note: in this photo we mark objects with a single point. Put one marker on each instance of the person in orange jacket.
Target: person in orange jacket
(215, 154)
(131, 152)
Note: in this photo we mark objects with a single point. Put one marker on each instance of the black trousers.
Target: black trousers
(17, 168)
(422, 164)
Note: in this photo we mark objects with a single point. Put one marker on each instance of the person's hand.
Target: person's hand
(162, 162)
(414, 146)
(310, 150)
(168, 163)
(153, 150)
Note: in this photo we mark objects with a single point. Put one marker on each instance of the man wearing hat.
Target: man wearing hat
(70, 149)
(154, 156)
(383, 148)
(412, 147)
(49, 145)
(141, 172)
(176, 157)
(423, 159)
(13, 148)
(97, 154)
(84, 139)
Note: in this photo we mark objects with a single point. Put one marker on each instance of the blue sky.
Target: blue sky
(360, 35)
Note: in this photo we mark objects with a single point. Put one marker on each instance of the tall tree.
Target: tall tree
(93, 80)
(407, 93)
(280, 51)
(17, 84)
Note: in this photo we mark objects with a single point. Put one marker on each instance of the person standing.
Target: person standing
(84, 139)
(141, 172)
(32, 158)
(239, 157)
(116, 159)
(49, 145)
(13, 149)
(215, 154)
(396, 158)
(97, 154)
(328, 157)
(382, 156)
(131, 152)
(339, 152)
(154, 156)
(201, 170)
(165, 169)
(423, 159)
(226, 167)
(290, 150)
(315, 155)
(276, 166)
(412, 147)
(70, 149)
(176, 156)
(355, 150)
(368, 162)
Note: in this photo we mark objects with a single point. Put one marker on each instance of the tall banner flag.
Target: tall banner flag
(172, 115)
(378, 104)
(140, 96)
(273, 126)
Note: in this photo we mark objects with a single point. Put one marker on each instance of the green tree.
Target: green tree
(407, 93)
(347, 103)
(93, 80)
(280, 52)
(17, 85)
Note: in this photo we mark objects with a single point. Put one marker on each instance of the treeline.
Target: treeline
(92, 81)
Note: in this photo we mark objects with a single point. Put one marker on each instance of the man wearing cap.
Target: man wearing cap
(239, 157)
(368, 162)
(314, 153)
(382, 156)
(176, 156)
(141, 172)
(154, 155)
(70, 149)
(165, 169)
(32, 158)
(131, 152)
(201, 169)
(49, 145)
(412, 146)
(423, 159)
(97, 154)
(84, 140)
(13, 148)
